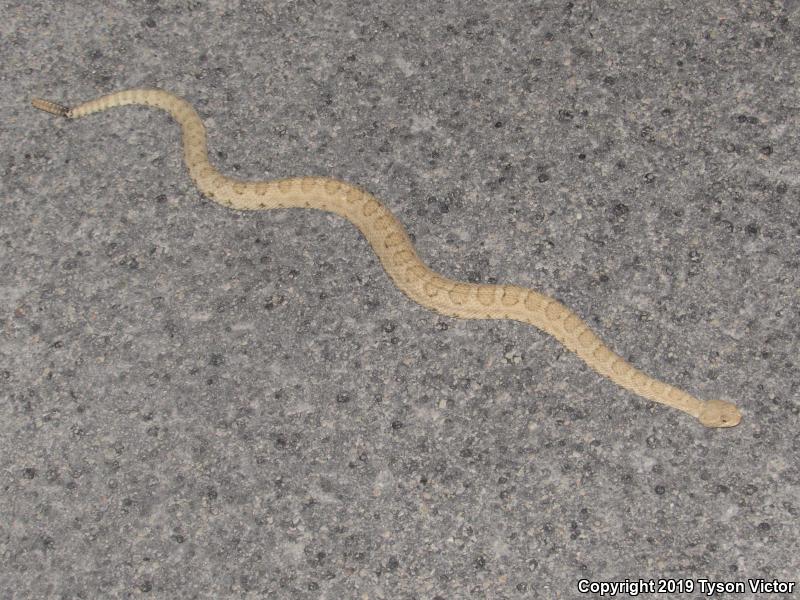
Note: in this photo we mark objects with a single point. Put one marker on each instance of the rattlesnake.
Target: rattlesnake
(394, 248)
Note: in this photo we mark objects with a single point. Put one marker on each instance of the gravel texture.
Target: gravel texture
(200, 403)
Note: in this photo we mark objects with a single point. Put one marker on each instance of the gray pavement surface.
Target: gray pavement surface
(200, 403)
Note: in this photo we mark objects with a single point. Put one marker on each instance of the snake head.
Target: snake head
(718, 413)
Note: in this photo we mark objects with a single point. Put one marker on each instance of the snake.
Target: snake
(394, 248)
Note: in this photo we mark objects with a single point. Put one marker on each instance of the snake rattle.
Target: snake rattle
(394, 248)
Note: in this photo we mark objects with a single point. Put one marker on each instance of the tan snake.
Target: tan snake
(394, 248)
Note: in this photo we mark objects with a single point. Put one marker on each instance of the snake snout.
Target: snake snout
(719, 413)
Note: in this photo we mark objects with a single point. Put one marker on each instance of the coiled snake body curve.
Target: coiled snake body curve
(394, 248)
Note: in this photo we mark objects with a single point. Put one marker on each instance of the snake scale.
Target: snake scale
(394, 248)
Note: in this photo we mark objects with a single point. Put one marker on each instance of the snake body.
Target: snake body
(388, 238)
